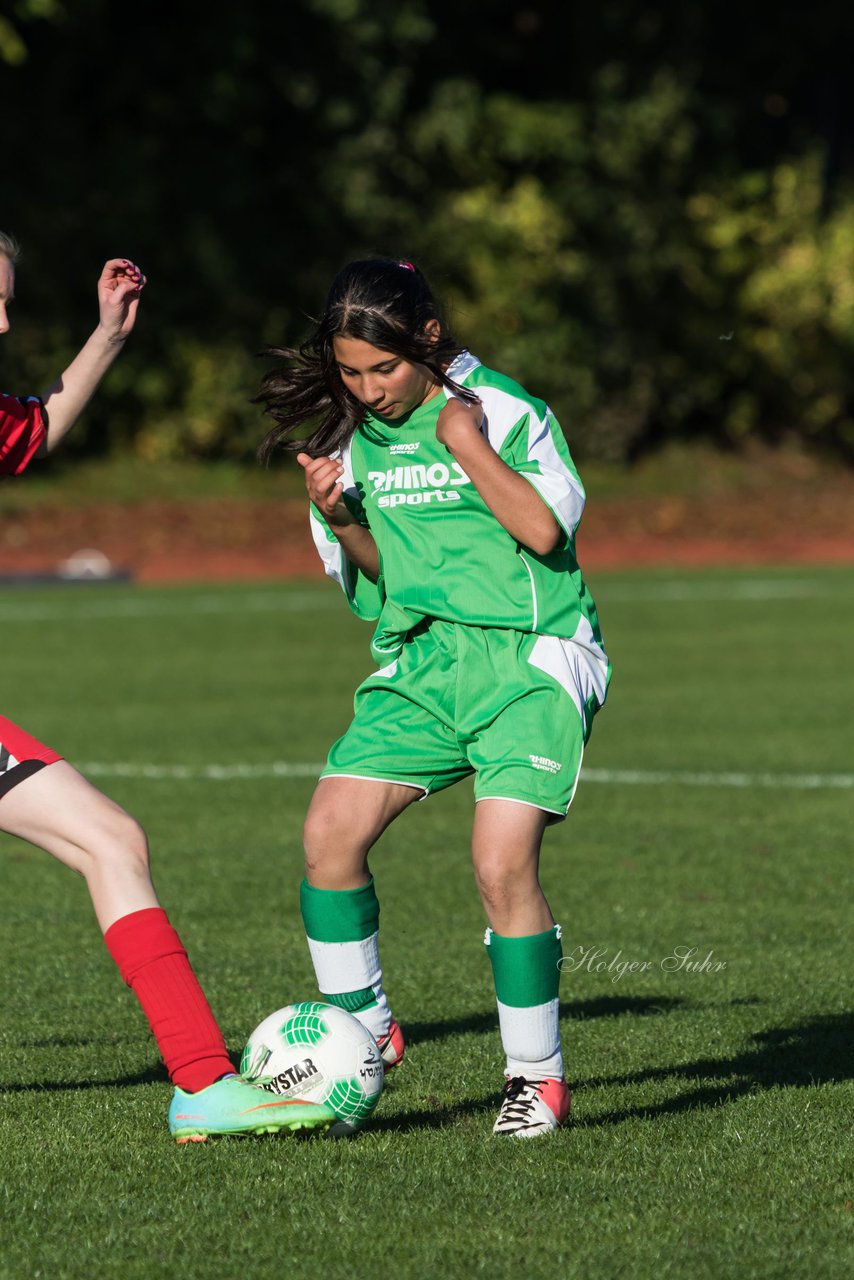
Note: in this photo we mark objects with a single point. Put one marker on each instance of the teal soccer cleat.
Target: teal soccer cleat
(234, 1106)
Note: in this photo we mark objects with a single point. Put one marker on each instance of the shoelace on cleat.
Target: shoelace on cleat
(519, 1099)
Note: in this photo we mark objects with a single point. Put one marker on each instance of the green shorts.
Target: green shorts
(514, 709)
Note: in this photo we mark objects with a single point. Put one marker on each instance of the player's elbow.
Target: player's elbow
(546, 538)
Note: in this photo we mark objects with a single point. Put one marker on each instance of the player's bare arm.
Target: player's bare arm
(326, 491)
(119, 289)
(512, 500)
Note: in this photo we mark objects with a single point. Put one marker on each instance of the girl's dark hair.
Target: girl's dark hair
(383, 301)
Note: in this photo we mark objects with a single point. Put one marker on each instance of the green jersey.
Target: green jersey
(442, 552)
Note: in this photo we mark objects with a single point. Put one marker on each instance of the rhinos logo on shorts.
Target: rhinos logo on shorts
(417, 484)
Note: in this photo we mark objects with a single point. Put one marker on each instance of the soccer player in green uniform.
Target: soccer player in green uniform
(445, 503)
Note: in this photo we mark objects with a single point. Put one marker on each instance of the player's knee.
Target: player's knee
(326, 830)
(325, 864)
(332, 848)
(495, 894)
(317, 832)
(497, 878)
(135, 841)
(118, 839)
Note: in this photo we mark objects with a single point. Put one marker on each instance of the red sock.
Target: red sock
(155, 966)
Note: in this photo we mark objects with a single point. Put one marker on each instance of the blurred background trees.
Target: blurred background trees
(643, 212)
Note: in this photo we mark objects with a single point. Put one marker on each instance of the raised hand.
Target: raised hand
(119, 289)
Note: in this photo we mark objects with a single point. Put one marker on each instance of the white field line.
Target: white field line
(202, 772)
(65, 608)
(610, 777)
(748, 589)
(684, 778)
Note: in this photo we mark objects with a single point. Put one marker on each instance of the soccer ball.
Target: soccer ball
(319, 1053)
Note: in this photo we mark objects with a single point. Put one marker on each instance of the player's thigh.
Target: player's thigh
(58, 810)
(403, 730)
(508, 833)
(352, 813)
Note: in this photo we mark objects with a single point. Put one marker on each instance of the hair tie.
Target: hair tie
(407, 266)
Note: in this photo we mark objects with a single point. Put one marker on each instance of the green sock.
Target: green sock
(526, 972)
(342, 926)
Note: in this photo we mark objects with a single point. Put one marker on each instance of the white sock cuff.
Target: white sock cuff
(530, 1034)
(346, 966)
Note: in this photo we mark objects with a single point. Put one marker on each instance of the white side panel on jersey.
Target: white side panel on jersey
(460, 368)
(387, 672)
(556, 484)
(579, 665)
(335, 563)
(501, 412)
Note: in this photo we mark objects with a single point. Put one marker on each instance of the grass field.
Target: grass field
(712, 1106)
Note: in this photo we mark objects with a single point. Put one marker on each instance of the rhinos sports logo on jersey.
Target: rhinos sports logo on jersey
(417, 484)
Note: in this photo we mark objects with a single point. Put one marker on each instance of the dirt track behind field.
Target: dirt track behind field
(219, 539)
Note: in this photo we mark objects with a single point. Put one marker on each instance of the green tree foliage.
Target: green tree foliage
(641, 211)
